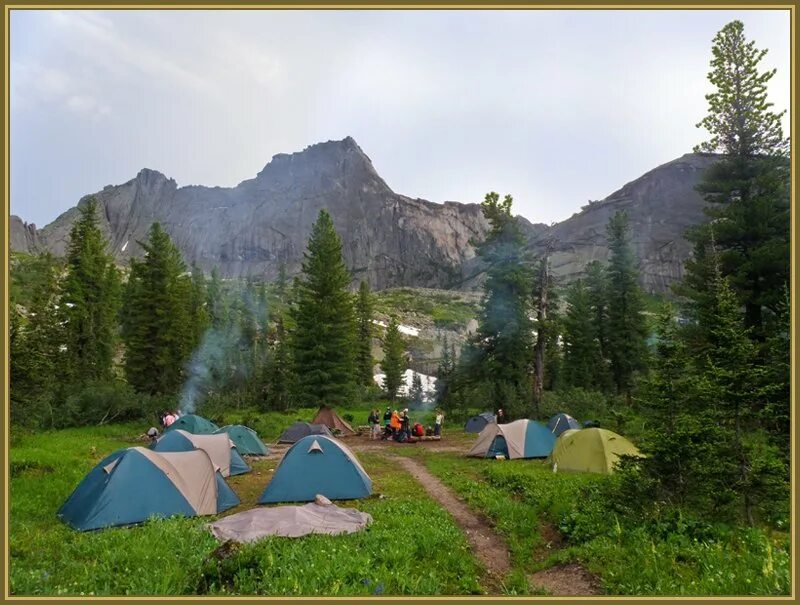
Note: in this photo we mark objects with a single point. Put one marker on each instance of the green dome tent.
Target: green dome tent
(590, 451)
(191, 423)
(245, 439)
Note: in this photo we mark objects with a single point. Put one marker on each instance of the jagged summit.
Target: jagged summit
(388, 239)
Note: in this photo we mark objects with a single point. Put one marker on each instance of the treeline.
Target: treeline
(707, 379)
(92, 344)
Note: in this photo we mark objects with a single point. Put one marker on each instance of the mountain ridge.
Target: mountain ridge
(389, 239)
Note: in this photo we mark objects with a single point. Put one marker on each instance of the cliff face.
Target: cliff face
(389, 239)
(661, 205)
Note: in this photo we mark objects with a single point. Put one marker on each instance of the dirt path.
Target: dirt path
(569, 580)
(488, 547)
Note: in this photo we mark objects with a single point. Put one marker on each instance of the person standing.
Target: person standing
(437, 425)
(501, 416)
(374, 424)
(405, 424)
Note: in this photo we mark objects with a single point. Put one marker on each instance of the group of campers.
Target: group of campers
(397, 425)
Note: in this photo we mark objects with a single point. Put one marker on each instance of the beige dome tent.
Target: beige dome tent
(328, 416)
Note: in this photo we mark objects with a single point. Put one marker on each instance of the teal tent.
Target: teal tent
(219, 448)
(133, 484)
(194, 424)
(317, 465)
(245, 439)
(518, 439)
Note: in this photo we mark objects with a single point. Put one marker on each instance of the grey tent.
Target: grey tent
(477, 423)
(302, 429)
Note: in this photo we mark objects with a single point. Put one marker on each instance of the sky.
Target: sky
(553, 107)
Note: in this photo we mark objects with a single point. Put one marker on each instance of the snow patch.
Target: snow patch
(428, 384)
(408, 330)
(125, 245)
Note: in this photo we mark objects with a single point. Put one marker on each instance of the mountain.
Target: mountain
(389, 239)
(661, 205)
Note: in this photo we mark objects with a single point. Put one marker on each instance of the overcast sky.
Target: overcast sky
(553, 107)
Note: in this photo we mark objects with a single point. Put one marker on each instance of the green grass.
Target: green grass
(412, 547)
(446, 309)
(646, 559)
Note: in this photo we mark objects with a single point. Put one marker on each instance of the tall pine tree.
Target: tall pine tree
(583, 361)
(503, 345)
(364, 361)
(156, 318)
(89, 302)
(393, 362)
(749, 188)
(324, 337)
(627, 330)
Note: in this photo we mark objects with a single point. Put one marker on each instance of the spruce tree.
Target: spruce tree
(364, 361)
(749, 188)
(393, 364)
(324, 337)
(416, 394)
(583, 361)
(279, 376)
(199, 316)
(502, 347)
(627, 330)
(597, 289)
(156, 318)
(89, 302)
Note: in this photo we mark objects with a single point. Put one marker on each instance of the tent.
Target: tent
(518, 439)
(477, 423)
(317, 464)
(561, 422)
(302, 429)
(327, 416)
(133, 484)
(566, 434)
(245, 439)
(194, 424)
(591, 450)
(219, 448)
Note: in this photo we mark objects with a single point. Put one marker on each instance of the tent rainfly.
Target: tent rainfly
(562, 422)
(133, 484)
(191, 423)
(245, 439)
(591, 451)
(328, 416)
(317, 464)
(219, 448)
(518, 439)
(477, 423)
(302, 429)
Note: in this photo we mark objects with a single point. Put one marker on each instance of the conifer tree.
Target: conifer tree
(199, 317)
(583, 360)
(89, 302)
(415, 393)
(748, 189)
(323, 342)
(364, 361)
(393, 362)
(279, 377)
(597, 290)
(156, 318)
(36, 351)
(627, 330)
(503, 345)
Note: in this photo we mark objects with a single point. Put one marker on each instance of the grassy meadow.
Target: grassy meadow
(413, 546)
